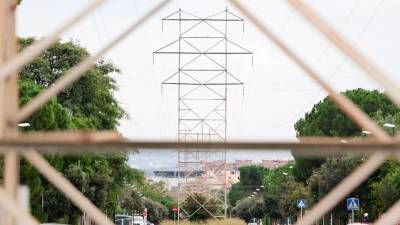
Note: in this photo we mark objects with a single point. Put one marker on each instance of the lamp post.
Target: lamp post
(391, 127)
(24, 124)
(366, 132)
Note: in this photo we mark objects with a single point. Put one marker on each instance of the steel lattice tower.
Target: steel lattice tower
(202, 80)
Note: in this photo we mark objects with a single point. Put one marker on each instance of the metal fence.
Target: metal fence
(30, 146)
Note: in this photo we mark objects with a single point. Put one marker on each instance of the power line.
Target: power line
(372, 17)
(96, 27)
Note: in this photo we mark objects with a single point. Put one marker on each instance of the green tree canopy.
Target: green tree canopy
(193, 206)
(251, 178)
(90, 99)
(326, 119)
(86, 104)
(250, 208)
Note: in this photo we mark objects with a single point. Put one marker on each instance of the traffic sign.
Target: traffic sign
(175, 210)
(353, 204)
(301, 203)
(144, 214)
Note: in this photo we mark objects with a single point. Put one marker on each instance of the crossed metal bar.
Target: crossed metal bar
(10, 115)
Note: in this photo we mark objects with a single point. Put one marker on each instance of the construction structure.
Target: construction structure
(202, 79)
(31, 146)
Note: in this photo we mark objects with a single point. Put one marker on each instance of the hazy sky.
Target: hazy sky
(277, 93)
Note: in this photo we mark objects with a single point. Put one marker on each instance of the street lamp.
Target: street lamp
(389, 125)
(24, 124)
(366, 132)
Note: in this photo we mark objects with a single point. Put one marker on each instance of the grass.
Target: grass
(209, 222)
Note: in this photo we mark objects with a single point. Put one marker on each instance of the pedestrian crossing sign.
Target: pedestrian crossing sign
(301, 203)
(353, 204)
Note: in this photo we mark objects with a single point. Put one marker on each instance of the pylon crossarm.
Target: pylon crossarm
(391, 89)
(237, 45)
(28, 54)
(166, 46)
(79, 70)
(62, 184)
(198, 56)
(8, 205)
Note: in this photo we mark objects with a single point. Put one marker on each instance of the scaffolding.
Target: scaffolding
(202, 79)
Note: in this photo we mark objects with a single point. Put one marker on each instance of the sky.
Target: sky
(276, 92)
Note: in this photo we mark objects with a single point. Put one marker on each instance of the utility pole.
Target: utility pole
(202, 80)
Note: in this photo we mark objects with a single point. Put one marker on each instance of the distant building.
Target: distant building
(214, 172)
(271, 164)
(240, 163)
(176, 174)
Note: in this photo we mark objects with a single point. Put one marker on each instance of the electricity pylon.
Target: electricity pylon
(202, 79)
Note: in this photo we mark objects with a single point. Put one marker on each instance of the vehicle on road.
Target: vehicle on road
(138, 220)
(252, 224)
(123, 220)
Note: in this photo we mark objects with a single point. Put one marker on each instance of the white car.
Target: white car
(138, 220)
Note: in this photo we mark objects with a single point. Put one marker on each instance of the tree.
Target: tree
(250, 208)
(89, 99)
(281, 192)
(332, 172)
(199, 207)
(52, 116)
(131, 201)
(86, 104)
(156, 211)
(326, 119)
(251, 178)
(387, 189)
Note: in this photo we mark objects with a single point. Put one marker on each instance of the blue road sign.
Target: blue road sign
(301, 203)
(353, 204)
